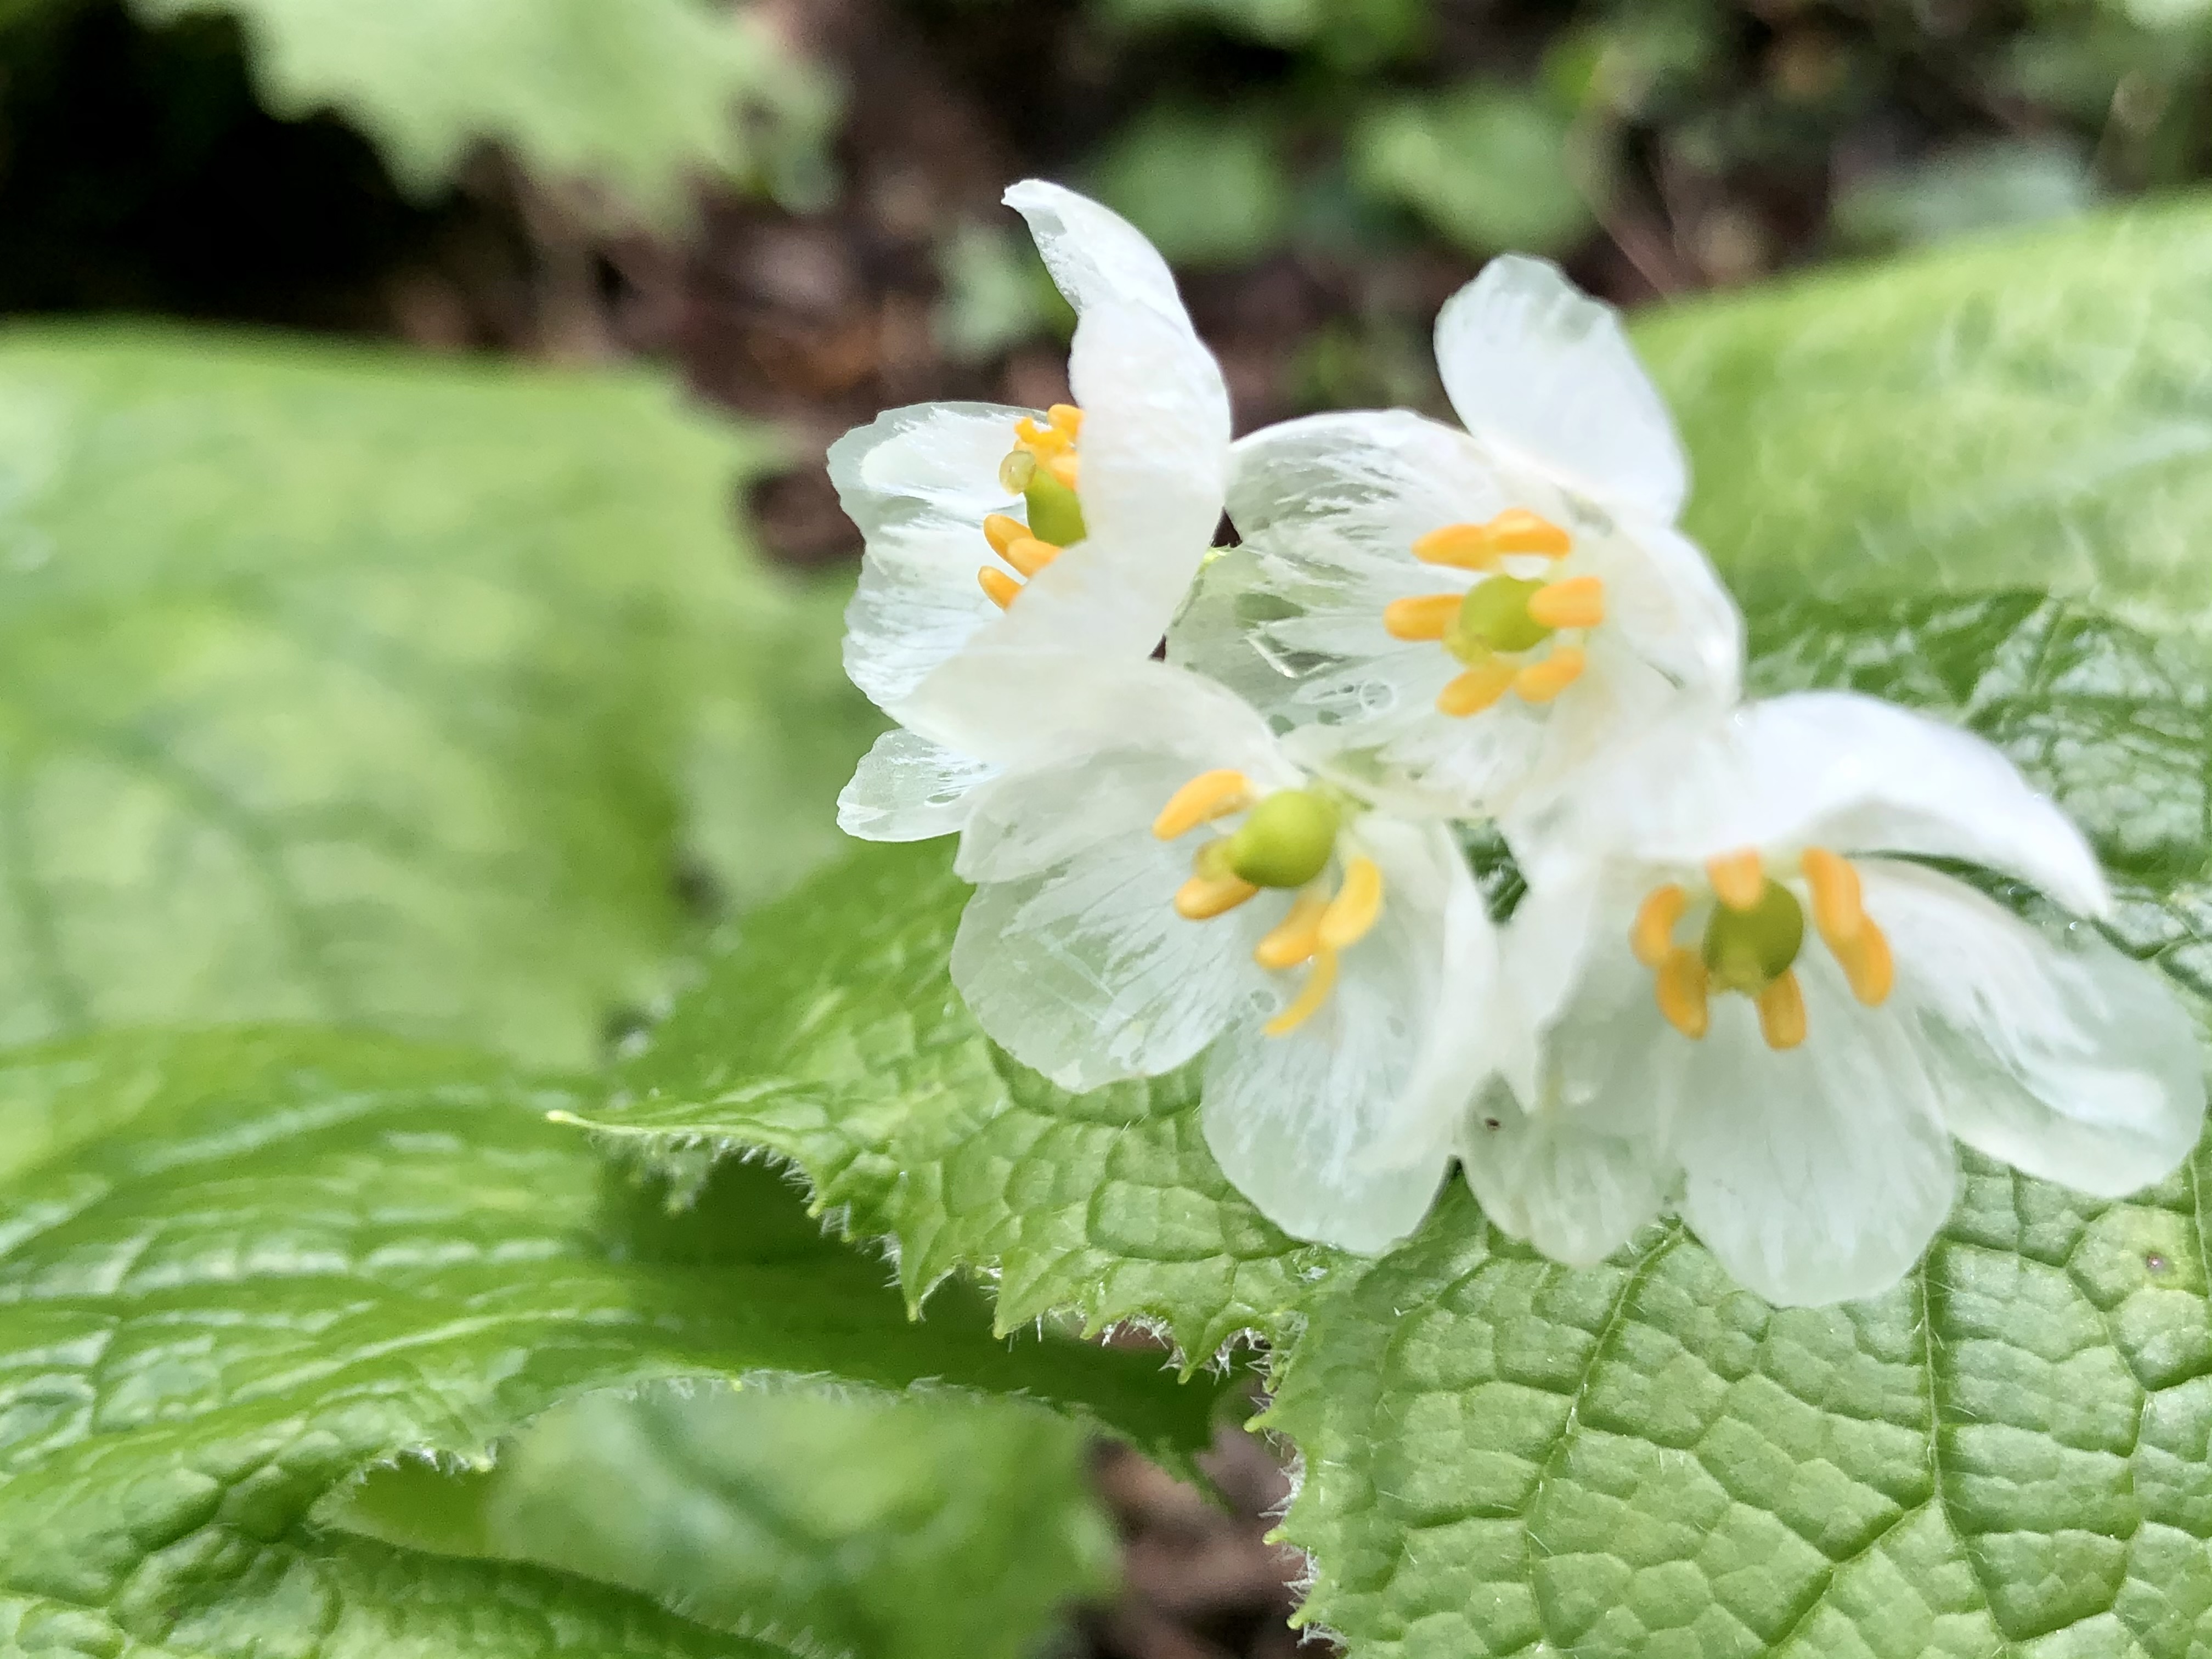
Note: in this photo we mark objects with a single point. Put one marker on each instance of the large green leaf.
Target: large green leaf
(632, 96)
(236, 1269)
(1971, 506)
(922, 1526)
(347, 685)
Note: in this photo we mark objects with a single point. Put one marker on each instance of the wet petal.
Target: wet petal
(1575, 1191)
(907, 788)
(1096, 256)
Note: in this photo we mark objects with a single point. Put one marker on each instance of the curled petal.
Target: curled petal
(1096, 256)
(907, 788)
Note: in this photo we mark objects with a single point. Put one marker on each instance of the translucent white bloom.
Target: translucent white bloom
(1450, 616)
(1074, 529)
(1753, 1009)
(1156, 878)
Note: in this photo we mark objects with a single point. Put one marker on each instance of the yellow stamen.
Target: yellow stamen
(1839, 908)
(1425, 618)
(1028, 554)
(1782, 1011)
(1738, 878)
(1297, 936)
(1204, 897)
(1679, 985)
(1541, 682)
(1066, 417)
(1003, 589)
(1866, 962)
(1042, 441)
(1577, 602)
(1652, 937)
(1479, 546)
(1066, 468)
(1354, 908)
(1002, 530)
(1321, 979)
(1208, 796)
(1476, 690)
(1462, 546)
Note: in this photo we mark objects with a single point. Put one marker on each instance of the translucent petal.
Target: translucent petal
(1086, 974)
(919, 482)
(2059, 1055)
(1666, 602)
(1826, 768)
(1154, 457)
(1344, 487)
(1029, 821)
(1341, 1131)
(1575, 1192)
(1094, 255)
(1816, 1174)
(907, 788)
(1531, 361)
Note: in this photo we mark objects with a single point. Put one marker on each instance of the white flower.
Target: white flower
(1753, 1009)
(1076, 529)
(1156, 878)
(1451, 616)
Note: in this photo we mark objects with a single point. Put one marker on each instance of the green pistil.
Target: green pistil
(1493, 618)
(1055, 514)
(1286, 840)
(1748, 951)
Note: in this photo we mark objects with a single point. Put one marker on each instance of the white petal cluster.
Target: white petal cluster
(1749, 982)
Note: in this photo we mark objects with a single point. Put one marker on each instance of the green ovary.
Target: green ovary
(1287, 839)
(1494, 617)
(1746, 951)
(1055, 514)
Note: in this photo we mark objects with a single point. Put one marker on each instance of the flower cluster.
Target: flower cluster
(1745, 982)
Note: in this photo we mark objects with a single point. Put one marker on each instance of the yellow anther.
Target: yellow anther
(1679, 985)
(1002, 530)
(1517, 530)
(1782, 1011)
(1839, 908)
(1652, 937)
(1476, 690)
(1541, 682)
(1066, 417)
(1297, 936)
(1866, 962)
(1738, 878)
(1425, 618)
(1479, 546)
(1003, 589)
(1066, 468)
(1321, 979)
(1028, 554)
(1577, 602)
(1208, 796)
(1354, 908)
(1042, 441)
(1204, 897)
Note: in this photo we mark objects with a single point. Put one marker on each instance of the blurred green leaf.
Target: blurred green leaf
(923, 1528)
(239, 1267)
(1208, 187)
(997, 293)
(1986, 187)
(346, 686)
(1349, 34)
(636, 96)
(1487, 166)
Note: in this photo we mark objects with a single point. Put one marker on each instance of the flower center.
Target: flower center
(1043, 470)
(1492, 627)
(1751, 941)
(1287, 842)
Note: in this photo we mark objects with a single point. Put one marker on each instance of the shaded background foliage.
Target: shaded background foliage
(1322, 173)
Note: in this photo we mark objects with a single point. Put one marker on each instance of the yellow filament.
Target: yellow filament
(1354, 908)
(1679, 985)
(1002, 530)
(1782, 1011)
(1839, 908)
(1866, 962)
(1066, 468)
(1578, 602)
(1065, 418)
(1321, 979)
(1738, 878)
(1652, 937)
(1541, 682)
(1476, 690)
(1028, 554)
(1424, 618)
(1003, 589)
(1297, 936)
(1208, 796)
(1204, 897)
